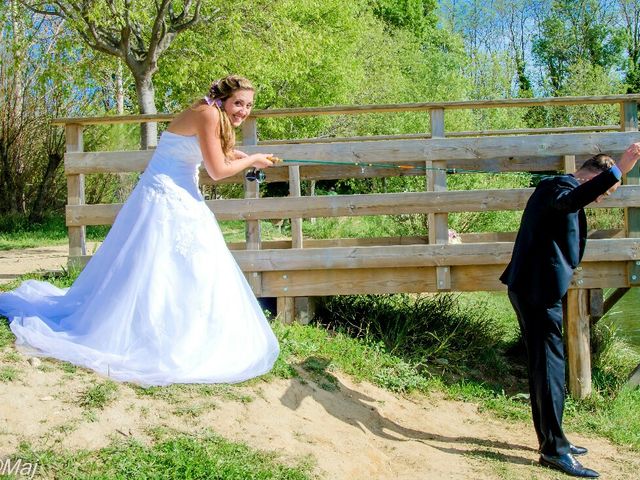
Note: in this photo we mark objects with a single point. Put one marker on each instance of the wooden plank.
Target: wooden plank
(107, 162)
(378, 280)
(115, 119)
(578, 342)
(339, 242)
(137, 161)
(483, 237)
(465, 133)
(371, 257)
(467, 149)
(602, 274)
(465, 278)
(356, 205)
(305, 283)
(603, 258)
(614, 250)
(339, 171)
(357, 109)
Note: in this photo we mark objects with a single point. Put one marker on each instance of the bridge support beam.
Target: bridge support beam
(578, 342)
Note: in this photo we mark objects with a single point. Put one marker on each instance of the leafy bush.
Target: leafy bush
(418, 328)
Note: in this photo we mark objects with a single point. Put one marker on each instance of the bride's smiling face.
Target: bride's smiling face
(238, 106)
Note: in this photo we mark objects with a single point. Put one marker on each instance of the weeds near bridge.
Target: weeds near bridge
(421, 329)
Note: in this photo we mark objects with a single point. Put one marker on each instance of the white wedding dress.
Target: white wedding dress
(162, 301)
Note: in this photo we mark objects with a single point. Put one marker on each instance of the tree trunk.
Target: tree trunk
(39, 205)
(146, 103)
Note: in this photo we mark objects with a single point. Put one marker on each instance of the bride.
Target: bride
(163, 300)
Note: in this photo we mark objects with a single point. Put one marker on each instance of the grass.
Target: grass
(176, 393)
(17, 232)
(98, 396)
(9, 374)
(203, 456)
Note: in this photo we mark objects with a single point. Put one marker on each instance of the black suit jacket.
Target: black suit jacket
(552, 237)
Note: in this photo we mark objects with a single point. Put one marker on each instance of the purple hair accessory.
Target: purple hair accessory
(213, 101)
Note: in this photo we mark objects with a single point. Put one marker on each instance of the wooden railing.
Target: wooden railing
(304, 267)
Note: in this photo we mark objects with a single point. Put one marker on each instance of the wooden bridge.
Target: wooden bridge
(301, 267)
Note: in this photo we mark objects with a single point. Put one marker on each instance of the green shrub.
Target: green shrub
(419, 328)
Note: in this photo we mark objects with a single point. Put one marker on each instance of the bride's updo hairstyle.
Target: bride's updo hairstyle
(221, 90)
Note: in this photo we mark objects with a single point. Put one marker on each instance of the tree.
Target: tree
(31, 150)
(630, 13)
(575, 30)
(417, 16)
(137, 32)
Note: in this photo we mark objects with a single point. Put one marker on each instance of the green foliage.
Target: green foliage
(417, 16)
(613, 417)
(6, 337)
(318, 351)
(364, 227)
(497, 221)
(8, 374)
(573, 32)
(98, 396)
(16, 231)
(206, 456)
(613, 359)
(418, 328)
(316, 53)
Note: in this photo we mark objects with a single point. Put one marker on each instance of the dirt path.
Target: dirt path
(358, 431)
(14, 263)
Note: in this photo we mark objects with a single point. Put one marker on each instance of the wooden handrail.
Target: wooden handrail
(358, 109)
(356, 205)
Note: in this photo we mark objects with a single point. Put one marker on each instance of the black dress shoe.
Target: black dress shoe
(567, 464)
(576, 450)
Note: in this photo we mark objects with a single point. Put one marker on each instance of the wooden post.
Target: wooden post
(295, 191)
(75, 196)
(252, 190)
(437, 182)
(569, 163)
(578, 342)
(287, 305)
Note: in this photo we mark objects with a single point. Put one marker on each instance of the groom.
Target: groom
(549, 246)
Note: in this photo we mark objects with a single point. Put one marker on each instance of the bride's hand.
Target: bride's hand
(262, 160)
(237, 155)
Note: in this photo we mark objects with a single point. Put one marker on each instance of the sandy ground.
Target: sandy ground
(357, 431)
(14, 263)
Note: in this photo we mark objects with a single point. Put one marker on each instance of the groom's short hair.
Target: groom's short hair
(598, 163)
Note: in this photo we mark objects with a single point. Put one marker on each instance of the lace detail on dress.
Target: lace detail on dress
(162, 190)
(184, 241)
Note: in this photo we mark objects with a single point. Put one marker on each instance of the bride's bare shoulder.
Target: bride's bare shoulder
(193, 118)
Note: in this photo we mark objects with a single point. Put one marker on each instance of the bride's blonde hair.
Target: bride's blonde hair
(221, 90)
